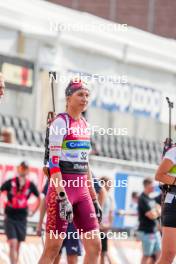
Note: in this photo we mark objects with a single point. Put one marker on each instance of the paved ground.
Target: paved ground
(120, 251)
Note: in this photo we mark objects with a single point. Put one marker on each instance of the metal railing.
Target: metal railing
(94, 160)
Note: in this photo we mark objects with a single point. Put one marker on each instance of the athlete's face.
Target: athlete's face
(79, 100)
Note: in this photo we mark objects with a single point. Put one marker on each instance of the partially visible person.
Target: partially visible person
(149, 235)
(166, 174)
(7, 135)
(107, 218)
(18, 191)
(2, 85)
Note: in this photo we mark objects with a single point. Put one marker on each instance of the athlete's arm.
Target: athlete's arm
(2, 85)
(57, 132)
(163, 170)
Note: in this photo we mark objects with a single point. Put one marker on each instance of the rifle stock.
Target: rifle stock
(51, 115)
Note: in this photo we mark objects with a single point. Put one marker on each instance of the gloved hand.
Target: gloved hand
(65, 209)
(98, 210)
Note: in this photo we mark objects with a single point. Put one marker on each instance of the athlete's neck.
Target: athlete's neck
(74, 113)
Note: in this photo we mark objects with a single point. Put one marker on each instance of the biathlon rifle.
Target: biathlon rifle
(168, 143)
(50, 117)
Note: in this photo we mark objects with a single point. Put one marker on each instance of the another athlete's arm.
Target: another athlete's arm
(163, 170)
(166, 165)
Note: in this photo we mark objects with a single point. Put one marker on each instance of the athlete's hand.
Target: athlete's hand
(65, 210)
(2, 85)
(98, 210)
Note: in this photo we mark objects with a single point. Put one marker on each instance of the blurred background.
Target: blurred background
(125, 50)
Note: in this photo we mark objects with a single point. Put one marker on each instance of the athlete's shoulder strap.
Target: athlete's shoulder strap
(84, 119)
(66, 118)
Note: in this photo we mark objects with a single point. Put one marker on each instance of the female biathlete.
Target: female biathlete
(69, 144)
(166, 173)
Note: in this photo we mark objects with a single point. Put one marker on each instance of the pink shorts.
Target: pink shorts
(83, 209)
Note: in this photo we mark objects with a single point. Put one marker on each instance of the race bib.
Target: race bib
(169, 198)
